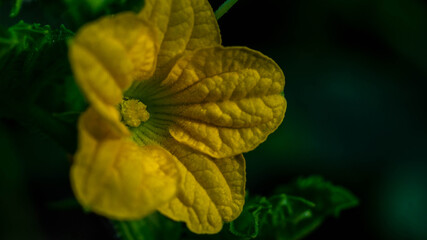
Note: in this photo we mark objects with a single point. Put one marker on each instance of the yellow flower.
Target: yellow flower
(171, 112)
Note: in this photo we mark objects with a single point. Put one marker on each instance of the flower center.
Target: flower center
(133, 112)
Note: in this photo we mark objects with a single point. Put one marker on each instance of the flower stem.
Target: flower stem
(16, 8)
(224, 8)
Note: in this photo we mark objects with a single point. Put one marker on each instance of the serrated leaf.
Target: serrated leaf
(32, 57)
(329, 199)
(30, 38)
(36, 79)
(248, 224)
(272, 217)
(295, 211)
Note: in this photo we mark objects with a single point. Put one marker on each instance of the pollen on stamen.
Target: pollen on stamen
(133, 112)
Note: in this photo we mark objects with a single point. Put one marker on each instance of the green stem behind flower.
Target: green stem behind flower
(224, 8)
(16, 8)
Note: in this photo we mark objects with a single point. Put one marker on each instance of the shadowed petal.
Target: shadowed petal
(113, 176)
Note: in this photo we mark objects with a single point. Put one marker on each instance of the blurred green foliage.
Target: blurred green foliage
(82, 11)
(72, 13)
(292, 213)
(153, 227)
(27, 51)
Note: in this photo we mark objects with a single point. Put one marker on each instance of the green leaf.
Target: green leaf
(292, 213)
(153, 227)
(248, 224)
(33, 59)
(29, 38)
(329, 199)
(271, 218)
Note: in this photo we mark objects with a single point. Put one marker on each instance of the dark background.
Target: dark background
(355, 84)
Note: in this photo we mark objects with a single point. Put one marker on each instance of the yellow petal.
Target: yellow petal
(211, 191)
(223, 101)
(114, 177)
(99, 127)
(108, 55)
(180, 25)
(205, 32)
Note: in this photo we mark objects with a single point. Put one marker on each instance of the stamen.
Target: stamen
(133, 112)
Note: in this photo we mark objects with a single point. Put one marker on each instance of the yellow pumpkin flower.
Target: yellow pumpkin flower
(171, 112)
